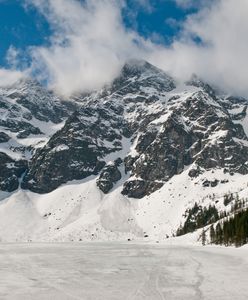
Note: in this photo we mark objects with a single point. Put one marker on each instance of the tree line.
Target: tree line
(198, 217)
(231, 231)
(227, 228)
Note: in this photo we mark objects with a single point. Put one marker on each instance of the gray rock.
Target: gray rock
(139, 188)
(109, 175)
(10, 172)
(4, 138)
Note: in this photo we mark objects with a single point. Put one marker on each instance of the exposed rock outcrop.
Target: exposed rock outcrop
(109, 175)
(10, 172)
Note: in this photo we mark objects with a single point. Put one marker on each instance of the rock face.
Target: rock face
(155, 126)
(10, 172)
(29, 115)
(109, 175)
(196, 130)
(25, 104)
(138, 188)
(100, 128)
(77, 150)
(4, 138)
(28, 99)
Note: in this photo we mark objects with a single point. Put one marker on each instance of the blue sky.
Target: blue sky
(162, 20)
(21, 28)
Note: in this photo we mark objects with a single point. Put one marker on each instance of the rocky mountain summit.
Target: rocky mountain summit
(153, 125)
(143, 134)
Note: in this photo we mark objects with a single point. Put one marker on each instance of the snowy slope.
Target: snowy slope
(79, 211)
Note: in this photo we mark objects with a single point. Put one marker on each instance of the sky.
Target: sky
(22, 27)
(79, 45)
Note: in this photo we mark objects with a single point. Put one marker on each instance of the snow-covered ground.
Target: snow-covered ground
(105, 271)
(78, 210)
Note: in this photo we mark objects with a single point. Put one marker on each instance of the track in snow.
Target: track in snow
(110, 271)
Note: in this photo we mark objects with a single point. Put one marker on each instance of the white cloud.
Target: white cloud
(146, 4)
(221, 57)
(89, 46)
(91, 43)
(186, 4)
(12, 57)
(9, 77)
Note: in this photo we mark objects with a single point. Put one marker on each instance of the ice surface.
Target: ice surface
(109, 271)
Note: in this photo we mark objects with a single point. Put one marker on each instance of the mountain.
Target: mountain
(30, 115)
(125, 162)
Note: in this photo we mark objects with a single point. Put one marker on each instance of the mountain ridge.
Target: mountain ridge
(131, 140)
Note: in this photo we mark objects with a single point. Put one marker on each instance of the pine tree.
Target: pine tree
(203, 236)
(212, 234)
(218, 234)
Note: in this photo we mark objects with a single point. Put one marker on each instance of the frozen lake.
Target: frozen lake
(121, 271)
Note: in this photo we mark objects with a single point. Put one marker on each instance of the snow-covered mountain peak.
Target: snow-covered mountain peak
(140, 68)
(137, 74)
(169, 127)
(131, 140)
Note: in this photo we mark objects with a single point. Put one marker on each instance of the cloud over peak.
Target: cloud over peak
(90, 43)
(9, 77)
